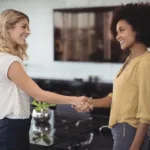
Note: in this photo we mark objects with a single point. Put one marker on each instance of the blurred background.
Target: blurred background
(70, 39)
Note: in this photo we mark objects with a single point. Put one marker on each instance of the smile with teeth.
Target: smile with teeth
(24, 37)
(121, 42)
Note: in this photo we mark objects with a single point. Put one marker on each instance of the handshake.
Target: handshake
(83, 104)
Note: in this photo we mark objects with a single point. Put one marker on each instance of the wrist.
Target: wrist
(94, 101)
(91, 102)
(73, 100)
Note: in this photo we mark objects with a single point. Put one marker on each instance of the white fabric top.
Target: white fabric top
(14, 103)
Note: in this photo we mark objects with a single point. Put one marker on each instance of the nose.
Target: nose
(28, 31)
(118, 36)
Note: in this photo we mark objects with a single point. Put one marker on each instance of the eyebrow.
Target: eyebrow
(25, 24)
(120, 28)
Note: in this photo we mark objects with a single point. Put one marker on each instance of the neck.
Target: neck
(138, 50)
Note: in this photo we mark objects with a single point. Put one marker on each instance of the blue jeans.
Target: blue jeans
(123, 135)
(14, 134)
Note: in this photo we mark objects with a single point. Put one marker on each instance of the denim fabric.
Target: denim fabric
(14, 134)
(123, 135)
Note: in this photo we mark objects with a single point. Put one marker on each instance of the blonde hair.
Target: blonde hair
(8, 19)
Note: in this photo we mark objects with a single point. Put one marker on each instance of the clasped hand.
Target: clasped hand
(86, 104)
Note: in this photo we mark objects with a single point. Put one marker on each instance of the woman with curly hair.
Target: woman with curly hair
(130, 100)
(130, 108)
(16, 86)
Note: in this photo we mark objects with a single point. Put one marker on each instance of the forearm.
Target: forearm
(32, 89)
(140, 135)
(103, 102)
(45, 96)
(50, 97)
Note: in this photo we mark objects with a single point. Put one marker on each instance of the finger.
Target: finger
(84, 98)
(86, 107)
(79, 109)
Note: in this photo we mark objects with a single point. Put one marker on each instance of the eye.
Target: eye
(23, 27)
(121, 30)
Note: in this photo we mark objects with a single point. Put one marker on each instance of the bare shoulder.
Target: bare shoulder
(16, 71)
(17, 74)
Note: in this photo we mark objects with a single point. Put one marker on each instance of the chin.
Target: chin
(21, 43)
(123, 48)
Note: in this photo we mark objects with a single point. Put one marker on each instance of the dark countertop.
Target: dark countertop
(68, 129)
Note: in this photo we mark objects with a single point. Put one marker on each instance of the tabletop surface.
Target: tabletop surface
(65, 126)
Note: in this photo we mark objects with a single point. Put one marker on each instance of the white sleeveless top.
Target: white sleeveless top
(14, 103)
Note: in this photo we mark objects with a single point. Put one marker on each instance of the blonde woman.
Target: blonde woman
(16, 86)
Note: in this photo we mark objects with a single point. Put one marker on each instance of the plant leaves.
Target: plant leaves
(46, 105)
(36, 139)
(38, 109)
(46, 139)
(41, 105)
(35, 103)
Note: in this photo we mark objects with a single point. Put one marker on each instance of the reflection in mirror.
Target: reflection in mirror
(41, 132)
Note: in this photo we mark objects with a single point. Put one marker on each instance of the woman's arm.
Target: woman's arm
(17, 74)
(102, 102)
(139, 137)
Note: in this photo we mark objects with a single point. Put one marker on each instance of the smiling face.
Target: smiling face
(126, 36)
(19, 32)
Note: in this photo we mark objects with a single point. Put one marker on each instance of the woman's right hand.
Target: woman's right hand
(84, 104)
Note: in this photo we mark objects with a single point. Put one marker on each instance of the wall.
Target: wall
(40, 63)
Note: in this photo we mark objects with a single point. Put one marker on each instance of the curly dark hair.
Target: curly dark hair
(138, 16)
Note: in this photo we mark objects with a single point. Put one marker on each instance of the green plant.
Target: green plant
(41, 105)
(43, 137)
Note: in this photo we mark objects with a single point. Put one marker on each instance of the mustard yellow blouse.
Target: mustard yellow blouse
(131, 93)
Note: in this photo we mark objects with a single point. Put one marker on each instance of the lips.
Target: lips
(24, 37)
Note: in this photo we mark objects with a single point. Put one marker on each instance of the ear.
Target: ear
(8, 30)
